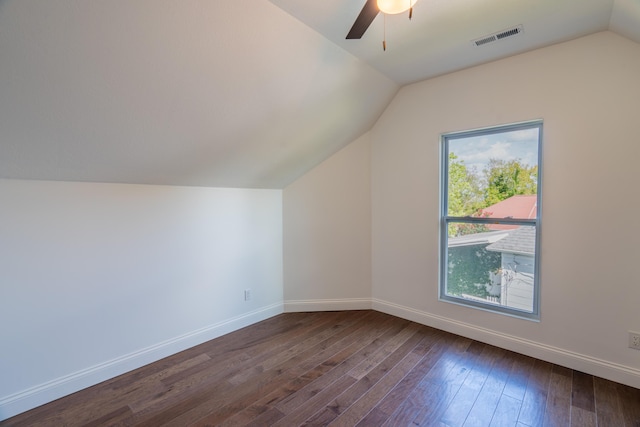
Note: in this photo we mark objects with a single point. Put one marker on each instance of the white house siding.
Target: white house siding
(517, 281)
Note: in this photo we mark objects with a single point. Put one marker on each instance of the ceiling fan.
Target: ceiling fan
(371, 9)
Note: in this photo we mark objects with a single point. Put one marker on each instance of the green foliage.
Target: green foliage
(469, 268)
(465, 197)
(505, 179)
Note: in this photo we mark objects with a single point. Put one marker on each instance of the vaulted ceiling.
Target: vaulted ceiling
(247, 93)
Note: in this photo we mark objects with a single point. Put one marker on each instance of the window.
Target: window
(490, 219)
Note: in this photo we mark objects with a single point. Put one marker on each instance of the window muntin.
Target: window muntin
(490, 218)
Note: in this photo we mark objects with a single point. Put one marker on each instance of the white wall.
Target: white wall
(588, 94)
(327, 233)
(98, 279)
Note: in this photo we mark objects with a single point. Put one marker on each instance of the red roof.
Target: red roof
(518, 207)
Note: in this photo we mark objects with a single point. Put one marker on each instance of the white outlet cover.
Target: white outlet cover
(634, 340)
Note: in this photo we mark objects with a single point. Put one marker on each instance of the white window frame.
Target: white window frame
(445, 220)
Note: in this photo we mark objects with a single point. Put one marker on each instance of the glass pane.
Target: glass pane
(494, 266)
(494, 176)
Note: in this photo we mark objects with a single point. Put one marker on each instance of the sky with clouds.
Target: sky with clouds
(476, 151)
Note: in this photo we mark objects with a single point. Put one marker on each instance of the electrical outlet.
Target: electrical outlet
(247, 297)
(634, 340)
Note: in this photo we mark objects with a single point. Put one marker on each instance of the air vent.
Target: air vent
(498, 36)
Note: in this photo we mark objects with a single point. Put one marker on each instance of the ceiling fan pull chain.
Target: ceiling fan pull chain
(410, 13)
(384, 32)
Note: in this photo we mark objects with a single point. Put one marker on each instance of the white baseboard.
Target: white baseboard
(580, 362)
(296, 306)
(33, 397)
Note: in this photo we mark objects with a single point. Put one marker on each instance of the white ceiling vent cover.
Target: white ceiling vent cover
(514, 31)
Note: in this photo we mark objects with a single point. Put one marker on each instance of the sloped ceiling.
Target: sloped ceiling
(246, 93)
(189, 92)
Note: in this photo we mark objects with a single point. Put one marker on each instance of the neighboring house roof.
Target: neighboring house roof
(521, 207)
(519, 241)
(501, 237)
(477, 238)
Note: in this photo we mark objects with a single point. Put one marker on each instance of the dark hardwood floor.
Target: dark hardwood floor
(349, 368)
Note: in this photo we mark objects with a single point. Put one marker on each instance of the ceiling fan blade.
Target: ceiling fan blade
(367, 15)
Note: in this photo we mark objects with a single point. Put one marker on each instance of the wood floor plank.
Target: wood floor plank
(463, 362)
(241, 394)
(87, 405)
(582, 392)
(516, 386)
(630, 403)
(316, 366)
(535, 397)
(300, 383)
(372, 343)
(344, 368)
(111, 419)
(265, 419)
(426, 393)
(582, 418)
(506, 413)
(383, 353)
(347, 397)
(221, 346)
(558, 408)
(312, 341)
(253, 340)
(192, 397)
(431, 349)
(295, 384)
(223, 413)
(369, 400)
(487, 401)
(321, 359)
(607, 404)
(314, 404)
(460, 407)
(240, 356)
(375, 417)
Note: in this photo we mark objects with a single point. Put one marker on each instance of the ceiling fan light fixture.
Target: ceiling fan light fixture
(392, 7)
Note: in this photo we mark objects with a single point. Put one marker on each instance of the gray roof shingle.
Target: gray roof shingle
(519, 241)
